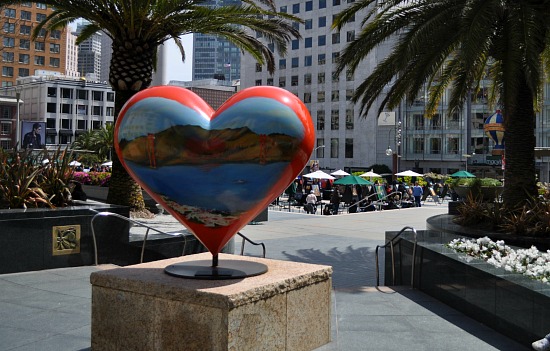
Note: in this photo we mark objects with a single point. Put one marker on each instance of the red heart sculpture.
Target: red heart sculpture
(214, 171)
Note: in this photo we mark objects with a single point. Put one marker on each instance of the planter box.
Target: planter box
(512, 304)
(488, 193)
(37, 239)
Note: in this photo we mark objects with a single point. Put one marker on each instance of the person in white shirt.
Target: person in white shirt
(311, 203)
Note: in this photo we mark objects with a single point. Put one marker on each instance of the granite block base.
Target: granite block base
(142, 308)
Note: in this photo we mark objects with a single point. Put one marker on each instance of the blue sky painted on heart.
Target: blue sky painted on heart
(261, 115)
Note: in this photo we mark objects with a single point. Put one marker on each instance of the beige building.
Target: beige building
(22, 57)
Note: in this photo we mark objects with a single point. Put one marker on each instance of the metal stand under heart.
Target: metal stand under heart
(214, 171)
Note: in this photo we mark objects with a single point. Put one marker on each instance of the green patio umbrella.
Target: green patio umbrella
(462, 174)
(351, 179)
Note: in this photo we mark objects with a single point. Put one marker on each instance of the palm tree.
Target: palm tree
(455, 43)
(138, 27)
(103, 141)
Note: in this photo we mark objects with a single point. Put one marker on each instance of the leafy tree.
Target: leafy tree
(456, 44)
(138, 27)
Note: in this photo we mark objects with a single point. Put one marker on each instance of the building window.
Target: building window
(418, 145)
(320, 153)
(320, 96)
(81, 110)
(308, 42)
(26, 4)
(8, 42)
(41, 6)
(418, 121)
(296, 25)
(258, 67)
(96, 111)
(320, 120)
(54, 48)
(40, 17)
(349, 119)
(308, 61)
(335, 2)
(452, 145)
(10, 13)
(282, 82)
(334, 120)
(39, 60)
(66, 93)
(97, 95)
(335, 96)
(7, 71)
(349, 75)
(50, 123)
(9, 28)
(110, 96)
(52, 92)
(296, 8)
(51, 107)
(309, 6)
(81, 124)
(66, 108)
(295, 44)
(96, 125)
(349, 148)
(7, 56)
(270, 81)
(283, 9)
(39, 46)
(322, 21)
(25, 30)
(5, 128)
(308, 24)
(350, 36)
(335, 77)
(321, 78)
(258, 82)
(307, 79)
(110, 111)
(295, 62)
(282, 63)
(66, 123)
(24, 44)
(321, 59)
(334, 148)
(307, 97)
(23, 72)
(54, 62)
(294, 81)
(26, 15)
(55, 34)
(322, 5)
(335, 56)
(435, 145)
(336, 38)
(349, 94)
(41, 33)
(322, 40)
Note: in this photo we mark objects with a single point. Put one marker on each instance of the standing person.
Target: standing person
(311, 203)
(335, 200)
(417, 193)
(32, 139)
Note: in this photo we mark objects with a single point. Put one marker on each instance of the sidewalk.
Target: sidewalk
(50, 310)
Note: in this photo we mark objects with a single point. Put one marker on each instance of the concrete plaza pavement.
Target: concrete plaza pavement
(50, 310)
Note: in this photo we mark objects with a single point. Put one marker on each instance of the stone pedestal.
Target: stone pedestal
(142, 308)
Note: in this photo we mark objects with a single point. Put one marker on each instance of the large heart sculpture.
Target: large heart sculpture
(214, 171)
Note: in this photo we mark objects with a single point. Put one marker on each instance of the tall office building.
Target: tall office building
(407, 140)
(214, 57)
(106, 54)
(71, 60)
(22, 57)
(89, 55)
(308, 71)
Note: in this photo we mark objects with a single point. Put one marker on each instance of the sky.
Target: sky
(175, 69)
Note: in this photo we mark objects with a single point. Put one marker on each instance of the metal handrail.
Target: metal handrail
(141, 224)
(382, 198)
(391, 244)
(245, 239)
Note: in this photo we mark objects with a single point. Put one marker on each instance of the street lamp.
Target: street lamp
(390, 152)
(18, 125)
(467, 157)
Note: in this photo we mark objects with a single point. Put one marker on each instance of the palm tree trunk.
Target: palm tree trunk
(129, 73)
(519, 140)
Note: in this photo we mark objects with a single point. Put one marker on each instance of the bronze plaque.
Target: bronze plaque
(65, 239)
